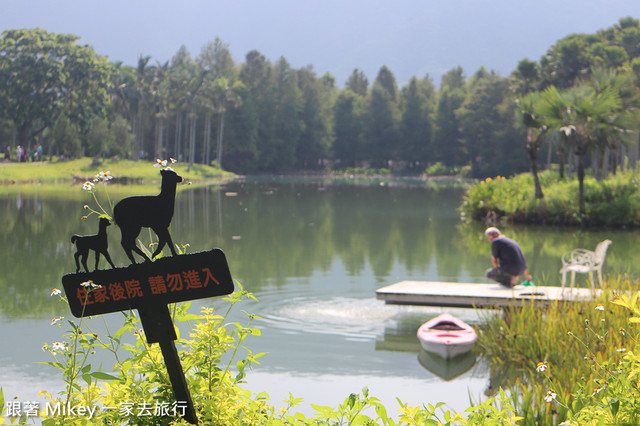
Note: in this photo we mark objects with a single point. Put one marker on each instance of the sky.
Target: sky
(411, 37)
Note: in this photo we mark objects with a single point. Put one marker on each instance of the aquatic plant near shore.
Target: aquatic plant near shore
(561, 361)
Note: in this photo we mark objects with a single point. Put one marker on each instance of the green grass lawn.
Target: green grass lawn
(56, 177)
(82, 169)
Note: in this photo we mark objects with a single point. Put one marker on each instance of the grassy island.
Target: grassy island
(614, 201)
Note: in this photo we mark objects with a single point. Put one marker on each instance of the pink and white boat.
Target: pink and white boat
(447, 336)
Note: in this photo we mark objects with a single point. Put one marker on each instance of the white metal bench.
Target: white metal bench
(584, 262)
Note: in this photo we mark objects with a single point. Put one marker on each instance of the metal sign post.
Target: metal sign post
(149, 287)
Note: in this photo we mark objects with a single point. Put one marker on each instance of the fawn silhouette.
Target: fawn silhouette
(98, 243)
(134, 213)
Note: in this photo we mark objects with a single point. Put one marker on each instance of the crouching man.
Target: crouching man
(507, 259)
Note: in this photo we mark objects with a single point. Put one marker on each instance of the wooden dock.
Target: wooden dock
(468, 295)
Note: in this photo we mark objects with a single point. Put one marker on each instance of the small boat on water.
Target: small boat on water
(447, 336)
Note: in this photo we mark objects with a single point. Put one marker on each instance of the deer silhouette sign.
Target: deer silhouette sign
(134, 213)
(98, 243)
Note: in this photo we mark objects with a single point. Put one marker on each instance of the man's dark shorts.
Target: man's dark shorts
(497, 274)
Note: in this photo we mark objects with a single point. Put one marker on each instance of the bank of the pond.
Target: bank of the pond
(336, 177)
(612, 202)
(52, 177)
(82, 169)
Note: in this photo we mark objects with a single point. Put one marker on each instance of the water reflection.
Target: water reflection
(447, 369)
(313, 253)
(276, 232)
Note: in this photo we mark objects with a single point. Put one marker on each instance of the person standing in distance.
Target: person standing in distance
(507, 259)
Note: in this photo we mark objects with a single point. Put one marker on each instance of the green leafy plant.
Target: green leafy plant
(139, 376)
(439, 169)
(614, 201)
(553, 360)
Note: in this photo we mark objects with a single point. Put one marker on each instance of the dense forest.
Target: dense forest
(264, 117)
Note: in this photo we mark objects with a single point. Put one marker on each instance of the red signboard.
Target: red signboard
(166, 280)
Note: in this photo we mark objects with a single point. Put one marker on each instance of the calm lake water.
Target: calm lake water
(313, 253)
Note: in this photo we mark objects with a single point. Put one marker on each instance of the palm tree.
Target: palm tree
(141, 93)
(214, 96)
(615, 136)
(583, 115)
(122, 89)
(216, 93)
(536, 131)
(226, 96)
(158, 98)
(551, 109)
(186, 79)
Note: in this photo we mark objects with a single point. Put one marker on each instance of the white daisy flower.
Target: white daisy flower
(550, 396)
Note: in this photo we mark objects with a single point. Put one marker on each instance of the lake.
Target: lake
(313, 252)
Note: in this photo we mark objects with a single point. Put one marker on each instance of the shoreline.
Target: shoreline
(77, 178)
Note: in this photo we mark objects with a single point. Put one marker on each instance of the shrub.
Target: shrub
(556, 363)
(611, 202)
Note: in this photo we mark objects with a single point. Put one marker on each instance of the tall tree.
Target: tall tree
(386, 80)
(566, 61)
(415, 126)
(481, 117)
(380, 129)
(358, 82)
(536, 130)
(525, 78)
(43, 75)
(454, 79)
(315, 138)
(158, 93)
(215, 58)
(224, 97)
(622, 82)
(122, 90)
(258, 76)
(447, 141)
(142, 82)
(186, 79)
(625, 34)
(241, 134)
(382, 119)
(348, 128)
(583, 114)
(280, 154)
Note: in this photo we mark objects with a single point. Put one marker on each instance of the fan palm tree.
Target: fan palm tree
(584, 115)
(551, 109)
(615, 136)
(536, 131)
